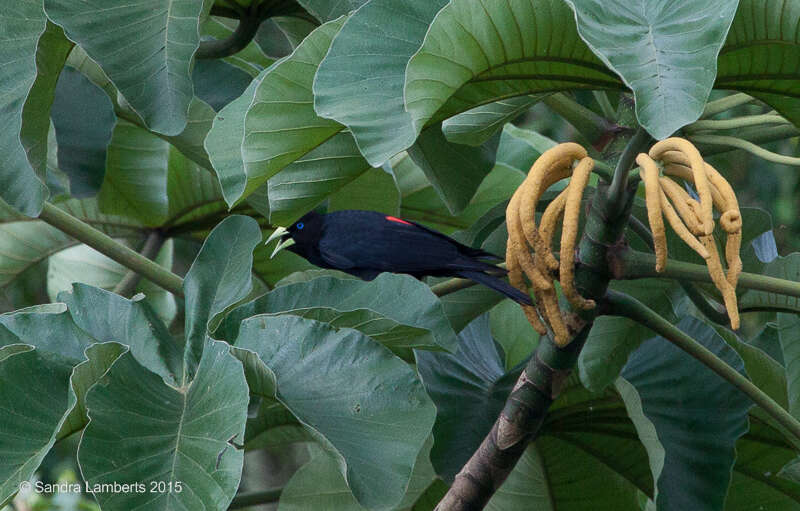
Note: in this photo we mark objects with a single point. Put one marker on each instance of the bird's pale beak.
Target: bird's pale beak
(279, 233)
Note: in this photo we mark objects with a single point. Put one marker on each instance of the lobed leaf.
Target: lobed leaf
(397, 311)
(665, 52)
(375, 429)
(145, 47)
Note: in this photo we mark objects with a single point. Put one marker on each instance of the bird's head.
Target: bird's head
(299, 236)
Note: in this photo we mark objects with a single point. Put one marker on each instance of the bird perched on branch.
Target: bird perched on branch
(366, 243)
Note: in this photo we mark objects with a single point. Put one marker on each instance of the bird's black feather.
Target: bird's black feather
(365, 243)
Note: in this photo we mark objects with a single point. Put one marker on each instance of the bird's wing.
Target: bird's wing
(393, 246)
(335, 258)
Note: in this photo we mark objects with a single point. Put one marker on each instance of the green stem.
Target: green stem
(249, 21)
(595, 128)
(736, 123)
(605, 105)
(621, 304)
(758, 135)
(619, 183)
(632, 264)
(104, 244)
(255, 498)
(748, 146)
(150, 249)
(715, 107)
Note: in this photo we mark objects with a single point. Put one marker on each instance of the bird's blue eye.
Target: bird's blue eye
(300, 226)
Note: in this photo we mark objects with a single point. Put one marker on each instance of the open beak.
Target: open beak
(279, 233)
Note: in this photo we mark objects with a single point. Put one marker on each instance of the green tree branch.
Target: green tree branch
(152, 245)
(632, 264)
(720, 105)
(736, 123)
(107, 246)
(595, 128)
(746, 145)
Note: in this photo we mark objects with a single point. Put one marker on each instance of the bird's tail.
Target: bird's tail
(498, 285)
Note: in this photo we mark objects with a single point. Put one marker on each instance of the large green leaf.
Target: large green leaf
(193, 193)
(757, 480)
(612, 339)
(82, 139)
(273, 426)
(421, 202)
(469, 388)
(145, 47)
(557, 475)
(587, 452)
(21, 25)
(360, 81)
(314, 176)
(33, 399)
(319, 485)
(51, 53)
(143, 430)
(479, 51)
(218, 83)
(313, 157)
(789, 337)
(224, 144)
(698, 418)
(476, 126)
(135, 181)
(40, 347)
(109, 317)
(273, 269)
(189, 141)
(305, 364)
(761, 55)
(326, 10)
(280, 125)
(665, 52)
(455, 171)
(397, 311)
(513, 333)
(375, 190)
(219, 277)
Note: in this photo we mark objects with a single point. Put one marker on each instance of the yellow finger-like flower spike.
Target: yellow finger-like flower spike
(718, 278)
(548, 226)
(731, 223)
(569, 233)
(553, 165)
(698, 170)
(516, 280)
(517, 242)
(553, 315)
(683, 203)
(679, 228)
(652, 190)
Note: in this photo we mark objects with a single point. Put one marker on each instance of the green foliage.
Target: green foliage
(430, 110)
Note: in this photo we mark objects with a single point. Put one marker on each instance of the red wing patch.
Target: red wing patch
(398, 220)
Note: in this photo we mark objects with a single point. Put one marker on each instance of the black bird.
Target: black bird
(366, 243)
